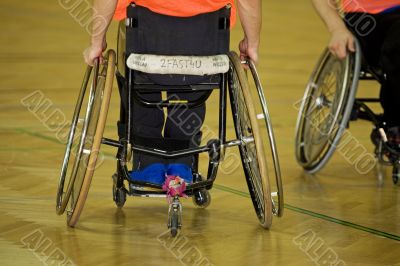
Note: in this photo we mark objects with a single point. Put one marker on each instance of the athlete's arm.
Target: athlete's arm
(250, 18)
(341, 38)
(103, 11)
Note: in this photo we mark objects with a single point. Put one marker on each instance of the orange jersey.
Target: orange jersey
(368, 6)
(177, 8)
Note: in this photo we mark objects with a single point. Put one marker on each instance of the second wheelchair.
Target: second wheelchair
(328, 106)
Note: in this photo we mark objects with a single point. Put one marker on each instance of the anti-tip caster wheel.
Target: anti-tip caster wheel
(119, 193)
(201, 198)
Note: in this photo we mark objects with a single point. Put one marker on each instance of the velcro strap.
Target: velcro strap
(184, 65)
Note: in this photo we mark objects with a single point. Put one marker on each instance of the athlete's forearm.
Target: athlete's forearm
(328, 11)
(250, 17)
(103, 11)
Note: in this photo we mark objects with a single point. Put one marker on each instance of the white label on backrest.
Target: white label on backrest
(185, 65)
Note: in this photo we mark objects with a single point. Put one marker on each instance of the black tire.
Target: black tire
(268, 137)
(120, 197)
(174, 223)
(201, 198)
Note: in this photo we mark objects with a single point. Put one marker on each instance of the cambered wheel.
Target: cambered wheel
(84, 138)
(267, 135)
(326, 108)
(251, 148)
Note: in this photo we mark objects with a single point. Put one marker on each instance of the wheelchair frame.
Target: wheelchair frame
(234, 82)
(215, 149)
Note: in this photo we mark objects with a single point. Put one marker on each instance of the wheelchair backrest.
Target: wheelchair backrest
(201, 35)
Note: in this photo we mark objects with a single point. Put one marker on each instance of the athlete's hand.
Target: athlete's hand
(248, 50)
(341, 42)
(94, 51)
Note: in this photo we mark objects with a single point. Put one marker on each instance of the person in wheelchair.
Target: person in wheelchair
(181, 128)
(376, 25)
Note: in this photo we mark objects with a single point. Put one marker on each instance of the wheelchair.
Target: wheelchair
(329, 104)
(223, 72)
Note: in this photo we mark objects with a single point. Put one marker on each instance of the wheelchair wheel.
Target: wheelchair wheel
(325, 109)
(251, 149)
(85, 138)
(268, 139)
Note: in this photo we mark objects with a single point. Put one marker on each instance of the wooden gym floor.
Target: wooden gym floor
(338, 216)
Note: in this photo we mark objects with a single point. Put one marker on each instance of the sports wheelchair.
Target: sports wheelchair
(328, 106)
(224, 73)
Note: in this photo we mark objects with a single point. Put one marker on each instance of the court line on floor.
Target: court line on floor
(246, 195)
(317, 215)
(52, 139)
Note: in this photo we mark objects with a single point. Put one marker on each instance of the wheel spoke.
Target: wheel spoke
(331, 91)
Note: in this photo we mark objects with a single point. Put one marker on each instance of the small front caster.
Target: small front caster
(119, 193)
(175, 216)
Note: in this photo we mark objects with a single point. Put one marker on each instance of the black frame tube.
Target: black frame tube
(213, 147)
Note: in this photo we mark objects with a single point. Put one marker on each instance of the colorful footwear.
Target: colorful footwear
(181, 170)
(154, 173)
